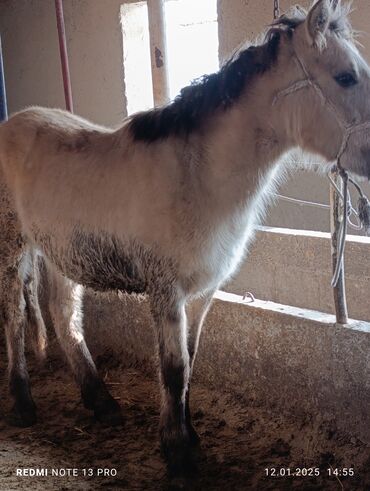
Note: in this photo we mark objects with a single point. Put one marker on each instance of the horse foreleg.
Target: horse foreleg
(170, 320)
(65, 304)
(196, 312)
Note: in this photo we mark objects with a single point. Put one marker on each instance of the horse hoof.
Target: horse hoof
(180, 462)
(109, 413)
(23, 415)
(177, 484)
(181, 467)
(97, 398)
(194, 438)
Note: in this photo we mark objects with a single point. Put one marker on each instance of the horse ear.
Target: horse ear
(317, 22)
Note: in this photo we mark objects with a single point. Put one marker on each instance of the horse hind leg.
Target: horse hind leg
(65, 305)
(35, 322)
(12, 313)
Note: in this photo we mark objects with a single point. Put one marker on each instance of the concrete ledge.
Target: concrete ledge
(288, 359)
(293, 267)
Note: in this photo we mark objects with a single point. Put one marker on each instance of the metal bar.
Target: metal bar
(64, 55)
(336, 216)
(158, 52)
(3, 102)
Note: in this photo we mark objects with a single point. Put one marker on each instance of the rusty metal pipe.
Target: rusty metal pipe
(64, 55)
(3, 103)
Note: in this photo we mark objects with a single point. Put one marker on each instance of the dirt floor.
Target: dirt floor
(238, 442)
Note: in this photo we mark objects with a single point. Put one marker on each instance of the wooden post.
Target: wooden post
(336, 217)
(158, 52)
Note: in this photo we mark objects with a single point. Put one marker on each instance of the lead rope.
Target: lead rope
(339, 266)
(362, 214)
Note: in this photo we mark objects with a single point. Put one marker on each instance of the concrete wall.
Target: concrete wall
(295, 269)
(287, 359)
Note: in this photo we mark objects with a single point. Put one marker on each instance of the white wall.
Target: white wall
(32, 64)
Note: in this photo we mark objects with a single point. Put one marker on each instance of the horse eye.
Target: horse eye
(346, 79)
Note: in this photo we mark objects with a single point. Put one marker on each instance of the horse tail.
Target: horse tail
(34, 318)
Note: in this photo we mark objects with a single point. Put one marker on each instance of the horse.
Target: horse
(167, 203)
(21, 272)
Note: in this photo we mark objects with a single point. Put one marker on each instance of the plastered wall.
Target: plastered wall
(32, 64)
(33, 74)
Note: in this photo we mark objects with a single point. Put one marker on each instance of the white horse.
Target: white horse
(167, 203)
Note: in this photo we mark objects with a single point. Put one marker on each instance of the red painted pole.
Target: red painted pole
(3, 104)
(64, 55)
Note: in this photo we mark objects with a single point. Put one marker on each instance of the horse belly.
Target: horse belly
(96, 261)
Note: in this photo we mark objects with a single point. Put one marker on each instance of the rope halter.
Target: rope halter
(309, 82)
(347, 131)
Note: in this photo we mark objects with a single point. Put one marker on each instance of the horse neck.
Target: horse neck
(245, 144)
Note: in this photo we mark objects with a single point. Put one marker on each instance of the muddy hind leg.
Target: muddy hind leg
(170, 320)
(12, 307)
(196, 311)
(34, 320)
(65, 304)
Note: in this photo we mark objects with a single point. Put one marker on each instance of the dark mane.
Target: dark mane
(197, 101)
(220, 90)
